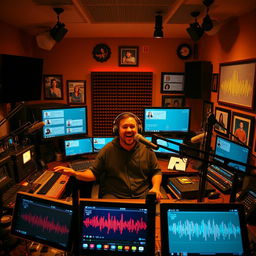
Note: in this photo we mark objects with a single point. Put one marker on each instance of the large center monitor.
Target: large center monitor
(43, 220)
(203, 229)
(166, 120)
(64, 121)
(115, 228)
(233, 151)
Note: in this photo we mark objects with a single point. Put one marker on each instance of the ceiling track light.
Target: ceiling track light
(195, 30)
(158, 33)
(58, 31)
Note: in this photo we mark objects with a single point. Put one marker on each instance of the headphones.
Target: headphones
(118, 119)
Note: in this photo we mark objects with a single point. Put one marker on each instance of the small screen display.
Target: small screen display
(26, 156)
(43, 220)
(99, 143)
(233, 151)
(78, 147)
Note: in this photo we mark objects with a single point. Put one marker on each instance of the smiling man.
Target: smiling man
(125, 168)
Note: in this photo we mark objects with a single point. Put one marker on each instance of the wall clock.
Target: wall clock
(101, 52)
(184, 51)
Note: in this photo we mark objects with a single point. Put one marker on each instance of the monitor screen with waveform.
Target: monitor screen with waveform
(203, 229)
(43, 220)
(114, 228)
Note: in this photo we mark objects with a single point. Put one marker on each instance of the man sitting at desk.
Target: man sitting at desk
(129, 168)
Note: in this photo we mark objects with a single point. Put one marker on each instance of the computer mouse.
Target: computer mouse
(213, 195)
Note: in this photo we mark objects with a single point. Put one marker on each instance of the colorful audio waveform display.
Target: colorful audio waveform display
(115, 224)
(208, 229)
(45, 224)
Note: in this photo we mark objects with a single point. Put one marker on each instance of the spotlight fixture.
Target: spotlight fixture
(207, 24)
(58, 31)
(158, 33)
(195, 30)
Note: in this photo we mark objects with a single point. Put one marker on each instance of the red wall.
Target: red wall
(73, 57)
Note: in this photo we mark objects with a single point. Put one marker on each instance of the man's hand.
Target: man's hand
(65, 170)
(157, 192)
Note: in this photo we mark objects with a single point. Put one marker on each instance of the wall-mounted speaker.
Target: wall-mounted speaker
(198, 77)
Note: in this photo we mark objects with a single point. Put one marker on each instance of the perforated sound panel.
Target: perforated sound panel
(117, 92)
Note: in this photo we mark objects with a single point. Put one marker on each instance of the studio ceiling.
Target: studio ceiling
(117, 18)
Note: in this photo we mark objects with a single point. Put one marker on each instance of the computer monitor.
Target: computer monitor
(64, 121)
(43, 220)
(233, 151)
(203, 229)
(166, 120)
(78, 147)
(170, 145)
(115, 228)
(100, 142)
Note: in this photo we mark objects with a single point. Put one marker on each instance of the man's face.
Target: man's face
(127, 130)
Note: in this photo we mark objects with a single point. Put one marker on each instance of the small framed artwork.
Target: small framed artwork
(173, 101)
(172, 82)
(223, 117)
(237, 83)
(76, 91)
(129, 56)
(53, 87)
(207, 110)
(101, 52)
(242, 128)
(215, 82)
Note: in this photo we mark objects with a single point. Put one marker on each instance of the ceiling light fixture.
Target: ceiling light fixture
(195, 30)
(46, 40)
(158, 33)
(207, 24)
(58, 31)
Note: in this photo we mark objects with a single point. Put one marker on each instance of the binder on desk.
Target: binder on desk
(178, 164)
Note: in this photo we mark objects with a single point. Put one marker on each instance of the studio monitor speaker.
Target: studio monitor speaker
(198, 77)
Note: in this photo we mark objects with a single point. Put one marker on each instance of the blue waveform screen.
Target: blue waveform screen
(204, 232)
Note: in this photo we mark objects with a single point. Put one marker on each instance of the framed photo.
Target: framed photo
(172, 82)
(76, 91)
(173, 101)
(129, 56)
(215, 82)
(243, 128)
(237, 84)
(207, 110)
(223, 116)
(53, 87)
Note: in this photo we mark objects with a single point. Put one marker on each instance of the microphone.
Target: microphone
(198, 138)
(146, 142)
(34, 127)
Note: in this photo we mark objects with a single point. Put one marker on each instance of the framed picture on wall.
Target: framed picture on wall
(172, 82)
(129, 56)
(53, 87)
(243, 128)
(237, 84)
(207, 110)
(223, 117)
(215, 82)
(76, 91)
(173, 101)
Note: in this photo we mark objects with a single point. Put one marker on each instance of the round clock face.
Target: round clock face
(101, 52)
(184, 51)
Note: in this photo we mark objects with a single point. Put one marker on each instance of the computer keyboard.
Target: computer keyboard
(81, 165)
(47, 186)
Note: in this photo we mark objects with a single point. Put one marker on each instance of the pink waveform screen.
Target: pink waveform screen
(45, 224)
(112, 223)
